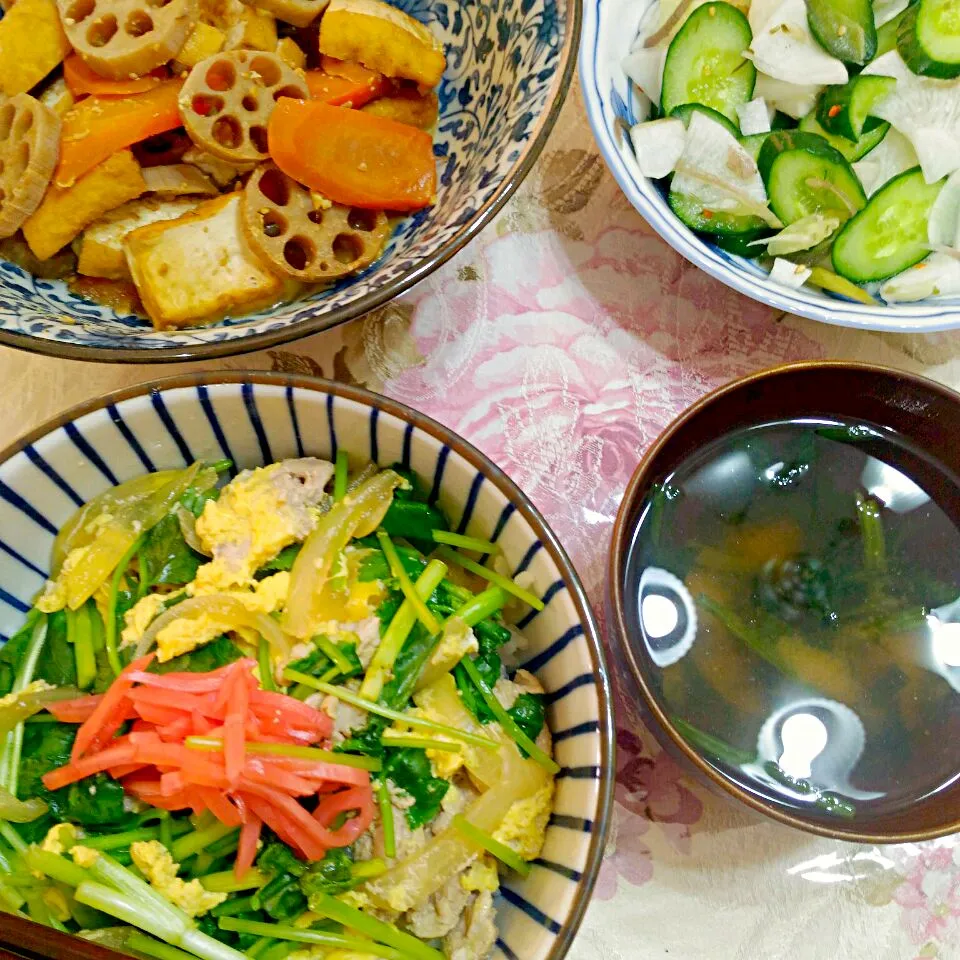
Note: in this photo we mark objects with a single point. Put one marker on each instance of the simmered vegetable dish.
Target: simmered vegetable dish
(191, 159)
(271, 718)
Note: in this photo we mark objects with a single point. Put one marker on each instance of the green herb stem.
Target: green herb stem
(390, 739)
(507, 722)
(263, 662)
(335, 941)
(366, 869)
(871, 528)
(711, 745)
(347, 696)
(110, 621)
(386, 818)
(292, 750)
(13, 739)
(56, 867)
(340, 470)
(231, 907)
(226, 882)
(501, 851)
(755, 640)
(377, 930)
(399, 629)
(117, 841)
(482, 606)
(333, 653)
(155, 948)
(82, 639)
(497, 579)
(192, 843)
(465, 543)
(424, 614)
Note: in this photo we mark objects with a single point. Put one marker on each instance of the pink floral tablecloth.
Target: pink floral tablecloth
(561, 342)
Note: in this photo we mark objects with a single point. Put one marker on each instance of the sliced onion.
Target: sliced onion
(16, 707)
(20, 811)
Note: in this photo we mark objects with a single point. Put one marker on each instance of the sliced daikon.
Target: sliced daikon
(785, 49)
(943, 227)
(891, 156)
(790, 274)
(938, 275)
(658, 145)
(754, 117)
(794, 99)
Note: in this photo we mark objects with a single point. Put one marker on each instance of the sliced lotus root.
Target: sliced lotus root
(228, 98)
(29, 149)
(127, 38)
(296, 238)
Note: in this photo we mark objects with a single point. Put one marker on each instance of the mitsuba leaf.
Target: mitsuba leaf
(166, 557)
(409, 770)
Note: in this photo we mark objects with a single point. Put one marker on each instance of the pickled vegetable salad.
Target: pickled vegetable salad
(267, 718)
(822, 136)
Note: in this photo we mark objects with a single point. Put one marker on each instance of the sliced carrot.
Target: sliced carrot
(97, 127)
(340, 83)
(359, 799)
(234, 743)
(220, 806)
(286, 828)
(328, 772)
(183, 682)
(77, 710)
(283, 780)
(311, 835)
(82, 79)
(247, 851)
(87, 766)
(176, 730)
(108, 713)
(352, 157)
(171, 783)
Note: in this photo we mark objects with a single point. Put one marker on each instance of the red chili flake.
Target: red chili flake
(708, 214)
(834, 110)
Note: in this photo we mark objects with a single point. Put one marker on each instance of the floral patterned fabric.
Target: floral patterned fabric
(561, 343)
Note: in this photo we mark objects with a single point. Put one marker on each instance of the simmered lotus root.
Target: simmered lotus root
(310, 244)
(227, 101)
(127, 38)
(29, 148)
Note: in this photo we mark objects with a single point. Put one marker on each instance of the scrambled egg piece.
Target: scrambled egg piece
(258, 513)
(187, 633)
(525, 825)
(60, 837)
(139, 617)
(84, 856)
(156, 864)
(38, 686)
(319, 952)
(56, 902)
(481, 875)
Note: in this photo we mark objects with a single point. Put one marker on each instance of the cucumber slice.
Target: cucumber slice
(705, 62)
(890, 233)
(753, 143)
(685, 109)
(782, 121)
(850, 151)
(717, 188)
(804, 175)
(929, 38)
(742, 244)
(845, 110)
(887, 34)
(844, 28)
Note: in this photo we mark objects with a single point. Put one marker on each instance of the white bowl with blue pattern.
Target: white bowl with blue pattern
(257, 418)
(509, 66)
(614, 104)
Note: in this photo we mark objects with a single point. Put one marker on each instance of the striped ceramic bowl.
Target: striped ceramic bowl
(256, 418)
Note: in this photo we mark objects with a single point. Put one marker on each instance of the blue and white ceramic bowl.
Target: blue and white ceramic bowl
(614, 104)
(509, 66)
(257, 418)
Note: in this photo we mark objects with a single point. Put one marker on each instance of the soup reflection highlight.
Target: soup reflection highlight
(797, 591)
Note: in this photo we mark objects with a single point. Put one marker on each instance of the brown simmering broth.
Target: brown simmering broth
(796, 587)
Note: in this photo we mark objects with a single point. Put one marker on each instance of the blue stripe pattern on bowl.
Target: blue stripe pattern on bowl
(257, 418)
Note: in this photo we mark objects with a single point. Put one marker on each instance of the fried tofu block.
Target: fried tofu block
(101, 252)
(382, 38)
(301, 13)
(65, 211)
(199, 268)
(291, 54)
(32, 43)
(259, 30)
(414, 111)
(203, 42)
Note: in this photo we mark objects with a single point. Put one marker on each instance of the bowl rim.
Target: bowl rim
(327, 319)
(839, 313)
(619, 543)
(480, 462)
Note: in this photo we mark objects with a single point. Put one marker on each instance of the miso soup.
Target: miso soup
(796, 586)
